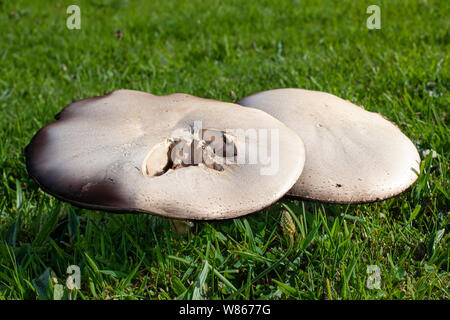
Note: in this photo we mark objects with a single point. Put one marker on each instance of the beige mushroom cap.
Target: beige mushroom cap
(352, 155)
(107, 153)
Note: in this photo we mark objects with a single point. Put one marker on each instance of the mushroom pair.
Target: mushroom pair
(191, 158)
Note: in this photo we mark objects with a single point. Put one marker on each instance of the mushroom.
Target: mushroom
(177, 156)
(352, 155)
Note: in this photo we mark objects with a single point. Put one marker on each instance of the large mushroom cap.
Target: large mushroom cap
(352, 155)
(174, 155)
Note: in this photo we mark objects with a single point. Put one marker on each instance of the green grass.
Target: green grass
(209, 48)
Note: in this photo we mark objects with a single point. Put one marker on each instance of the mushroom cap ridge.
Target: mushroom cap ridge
(92, 157)
(352, 155)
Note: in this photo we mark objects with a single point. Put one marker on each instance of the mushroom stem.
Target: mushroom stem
(181, 227)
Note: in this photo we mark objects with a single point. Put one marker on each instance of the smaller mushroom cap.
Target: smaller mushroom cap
(352, 155)
(134, 151)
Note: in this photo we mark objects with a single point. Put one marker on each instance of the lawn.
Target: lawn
(226, 50)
